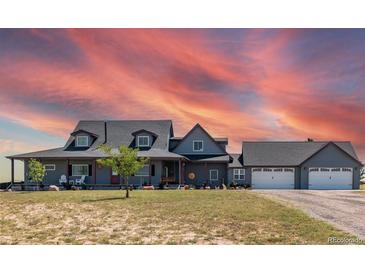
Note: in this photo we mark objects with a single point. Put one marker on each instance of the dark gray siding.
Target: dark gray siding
(51, 177)
(201, 172)
(209, 147)
(88, 179)
(230, 176)
(155, 180)
(103, 175)
(223, 146)
(330, 156)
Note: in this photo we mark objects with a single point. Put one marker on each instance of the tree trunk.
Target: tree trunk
(127, 187)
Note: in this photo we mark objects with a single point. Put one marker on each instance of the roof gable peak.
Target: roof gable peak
(196, 126)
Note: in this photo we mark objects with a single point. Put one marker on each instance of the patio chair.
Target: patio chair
(81, 180)
(62, 180)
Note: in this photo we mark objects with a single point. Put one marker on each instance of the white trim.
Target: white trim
(143, 136)
(210, 175)
(330, 169)
(198, 150)
(239, 172)
(166, 171)
(52, 165)
(72, 170)
(83, 136)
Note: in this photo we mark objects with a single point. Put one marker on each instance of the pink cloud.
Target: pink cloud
(140, 74)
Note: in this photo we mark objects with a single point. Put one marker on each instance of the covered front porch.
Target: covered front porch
(159, 173)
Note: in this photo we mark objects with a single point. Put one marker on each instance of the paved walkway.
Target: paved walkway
(343, 208)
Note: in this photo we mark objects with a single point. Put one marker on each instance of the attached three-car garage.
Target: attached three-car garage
(301, 165)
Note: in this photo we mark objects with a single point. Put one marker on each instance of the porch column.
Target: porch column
(12, 170)
(149, 174)
(180, 173)
(94, 171)
(206, 171)
(67, 170)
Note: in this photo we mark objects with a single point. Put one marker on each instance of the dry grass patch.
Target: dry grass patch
(155, 217)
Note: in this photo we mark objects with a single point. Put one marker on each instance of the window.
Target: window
(143, 141)
(80, 170)
(213, 174)
(267, 169)
(82, 141)
(256, 170)
(197, 145)
(238, 174)
(278, 170)
(50, 167)
(144, 171)
(347, 169)
(288, 170)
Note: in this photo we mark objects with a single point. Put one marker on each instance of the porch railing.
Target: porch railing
(168, 180)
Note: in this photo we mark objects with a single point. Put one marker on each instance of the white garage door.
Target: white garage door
(271, 178)
(330, 178)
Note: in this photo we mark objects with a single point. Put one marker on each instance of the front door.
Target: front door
(115, 178)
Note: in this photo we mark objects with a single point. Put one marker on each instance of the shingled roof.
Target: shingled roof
(121, 132)
(287, 153)
(237, 161)
(117, 132)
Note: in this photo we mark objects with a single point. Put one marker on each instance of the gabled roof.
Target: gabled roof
(59, 152)
(209, 158)
(84, 131)
(143, 130)
(287, 153)
(237, 161)
(206, 132)
(119, 132)
(95, 127)
(221, 140)
(217, 139)
(349, 150)
(160, 153)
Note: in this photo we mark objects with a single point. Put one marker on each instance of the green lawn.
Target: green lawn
(155, 217)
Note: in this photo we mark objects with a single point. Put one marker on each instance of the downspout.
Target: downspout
(105, 132)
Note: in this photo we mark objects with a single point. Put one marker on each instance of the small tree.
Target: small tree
(124, 162)
(36, 171)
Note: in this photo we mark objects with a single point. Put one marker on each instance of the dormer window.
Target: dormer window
(198, 145)
(143, 141)
(82, 141)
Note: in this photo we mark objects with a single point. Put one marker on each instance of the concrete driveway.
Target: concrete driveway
(345, 209)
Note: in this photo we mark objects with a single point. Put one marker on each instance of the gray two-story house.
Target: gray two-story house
(197, 159)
